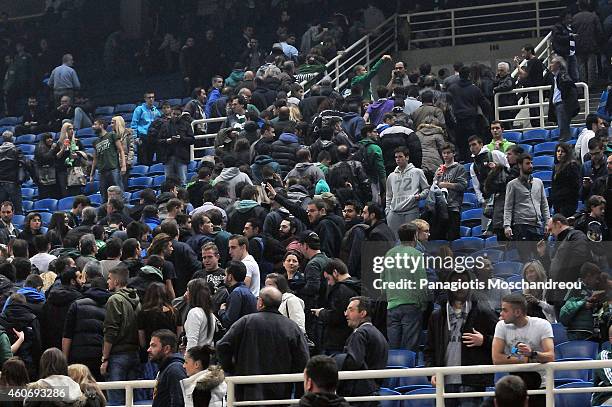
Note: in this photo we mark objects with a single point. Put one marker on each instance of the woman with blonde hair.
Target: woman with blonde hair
(69, 153)
(89, 387)
(127, 138)
(537, 306)
(294, 113)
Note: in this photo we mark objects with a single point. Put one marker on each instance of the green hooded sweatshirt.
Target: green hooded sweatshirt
(120, 326)
(365, 79)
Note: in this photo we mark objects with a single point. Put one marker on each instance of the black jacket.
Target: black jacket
(467, 97)
(239, 217)
(284, 150)
(168, 387)
(21, 317)
(180, 149)
(84, 325)
(569, 95)
(479, 318)
(133, 266)
(566, 185)
(263, 97)
(399, 136)
(185, 264)
(336, 328)
(59, 300)
(323, 400)
(561, 39)
(505, 84)
(11, 158)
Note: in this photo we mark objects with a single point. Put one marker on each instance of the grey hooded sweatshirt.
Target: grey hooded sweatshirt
(233, 177)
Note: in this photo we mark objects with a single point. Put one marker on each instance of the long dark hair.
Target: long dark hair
(26, 223)
(199, 295)
(156, 297)
(53, 362)
(560, 166)
(201, 354)
(58, 223)
(14, 373)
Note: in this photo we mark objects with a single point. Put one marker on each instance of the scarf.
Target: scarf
(72, 149)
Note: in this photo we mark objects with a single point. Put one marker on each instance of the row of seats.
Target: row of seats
(536, 136)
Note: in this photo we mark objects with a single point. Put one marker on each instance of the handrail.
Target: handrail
(194, 123)
(471, 8)
(543, 46)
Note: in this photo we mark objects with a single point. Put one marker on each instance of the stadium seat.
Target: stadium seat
(411, 387)
(469, 201)
(576, 349)
(547, 148)
(88, 142)
(467, 244)
(543, 163)
(477, 231)
(48, 204)
(554, 134)
(388, 392)
(65, 204)
(10, 121)
(26, 205)
(392, 382)
(193, 166)
(175, 102)
(19, 219)
(139, 171)
(464, 231)
(559, 332)
(470, 186)
(490, 242)
(401, 357)
(534, 136)
(156, 169)
(573, 399)
(433, 246)
(28, 193)
(157, 181)
(575, 131)
(104, 110)
(583, 375)
(86, 132)
(421, 402)
(467, 167)
(515, 279)
(505, 269)
(45, 217)
(513, 136)
(494, 255)
(471, 217)
(185, 100)
(528, 149)
(25, 139)
(405, 381)
(127, 117)
(27, 149)
(125, 108)
(191, 176)
(96, 199)
(545, 176)
(91, 188)
(512, 255)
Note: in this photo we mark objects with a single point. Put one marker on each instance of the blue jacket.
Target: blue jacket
(142, 119)
(352, 124)
(259, 163)
(212, 98)
(168, 387)
(240, 302)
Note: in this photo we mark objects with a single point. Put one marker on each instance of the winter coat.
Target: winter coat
(233, 176)
(240, 302)
(399, 136)
(208, 384)
(259, 163)
(561, 39)
(146, 276)
(59, 300)
(72, 392)
(181, 148)
(374, 163)
(569, 96)
(570, 253)
(323, 400)
(479, 318)
(350, 171)
(292, 307)
(352, 123)
(589, 32)
(20, 317)
(284, 150)
(467, 97)
(185, 263)
(85, 326)
(306, 170)
(120, 325)
(168, 391)
(565, 188)
(263, 97)
(427, 114)
(336, 329)
(378, 109)
(505, 84)
(432, 140)
(245, 210)
(11, 158)
(402, 186)
(455, 174)
(245, 350)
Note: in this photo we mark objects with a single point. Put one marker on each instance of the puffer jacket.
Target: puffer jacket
(432, 140)
(352, 123)
(55, 310)
(284, 150)
(208, 384)
(307, 170)
(11, 158)
(259, 163)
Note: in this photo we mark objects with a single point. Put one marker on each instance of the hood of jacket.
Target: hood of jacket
(152, 271)
(173, 358)
(464, 83)
(262, 160)
(60, 381)
(409, 167)
(379, 103)
(228, 174)
(99, 295)
(246, 205)
(303, 167)
(6, 146)
(236, 75)
(430, 129)
(367, 142)
(396, 130)
(129, 294)
(323, 400)
(32, 294)
(355, 285)
(350, 116)
(210, 378)
(18, 315)
(63, 295)
(288, 138)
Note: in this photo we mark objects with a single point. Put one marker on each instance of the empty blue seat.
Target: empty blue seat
(505, 269)
(45, 218)
(494, 255)
(471, 217)
(469, 201)
(96, 199)
(25, 139)
(139, 170)
(401, 357)
(140, 183)
(389, 403)
(48, 204)
(410, 387)
(421, 402)
(470, 187)
(477, 231)
(157, 181)
(127, 117)
(545, 176)
(575, 131)
(467, 244)
(573, 399)
(464, 231)
(467, 167)
(65, 204)
(88, 142)
(528, 149)
(175, 102)
(104, 110)
(554, 134)
(193, 166)
(10, 121)
(185, 100)
(576, 349)
(125, 108)
(583, 375)
(26, 205)
(534, 136)
(392, 382)
(559, 332)
(28, 193)
(513, 136)
(27, 149)
(85, 133)
(543, 163)
(156, 169)
(18, 220)
(547, 148)
(91, 188)
(491, 242)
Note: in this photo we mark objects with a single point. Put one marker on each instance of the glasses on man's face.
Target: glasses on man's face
(149, 97)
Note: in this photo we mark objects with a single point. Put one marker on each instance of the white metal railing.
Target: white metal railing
(542, 105)
(492, 22)
(543, 51)
(380, 41)
(439, 372)
(128, 386)
(203, 136)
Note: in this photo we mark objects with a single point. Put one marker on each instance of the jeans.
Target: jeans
(122, 366)
(81, 120)
(465, 401)
(108, 178)
(10, 191)
(397, 219)
(563, 122)
(176, 169)
(404, 327)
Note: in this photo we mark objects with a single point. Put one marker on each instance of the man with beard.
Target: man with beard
(176, 139)
(108, 154)
(195, 107)
(163, 351)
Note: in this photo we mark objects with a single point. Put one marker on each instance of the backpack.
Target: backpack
(345, 172)
(367, 160)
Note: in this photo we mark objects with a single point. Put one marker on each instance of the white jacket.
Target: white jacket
(197, 329)
(211, 379)
(582, 144)
(293, 308)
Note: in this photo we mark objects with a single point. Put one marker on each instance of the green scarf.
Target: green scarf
(73, 148)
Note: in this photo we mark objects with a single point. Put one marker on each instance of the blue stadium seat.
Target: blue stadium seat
(10, 121)
(477, 231)
(421, 402)
(534, 136)
(513, 255)
(19, 219)
(96, 199)
(28, 193)
(27, 149)
(576, 349)
(573, 399)
(543, 163)
(45, 217)
(91, 188)
(193, 166)
(185, 100)
(583, 375)
(505, 269)
(389, 403)
(471, 217)
(545, 176)
(515, 279)
(140, 183)
(25, 139)
(401, 357)
(547, 148)
(127, 117)
(559, 332)
(528, 149)
(139, 171)
(392, 382)
(467, 167)
(156, 169)
(26, 205)
(469, 201)
(88, 142)
(104, 110)
(470, 186)
(48, 204)
(157, 181)
(86, 132)
(125, 108)
(494, 255)
(513, 136)
(65, 204)
(127, 196)
(410, 387)
(464, 231)
(467, 244)
(175, 102)
(575, 131)
(491, 242)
